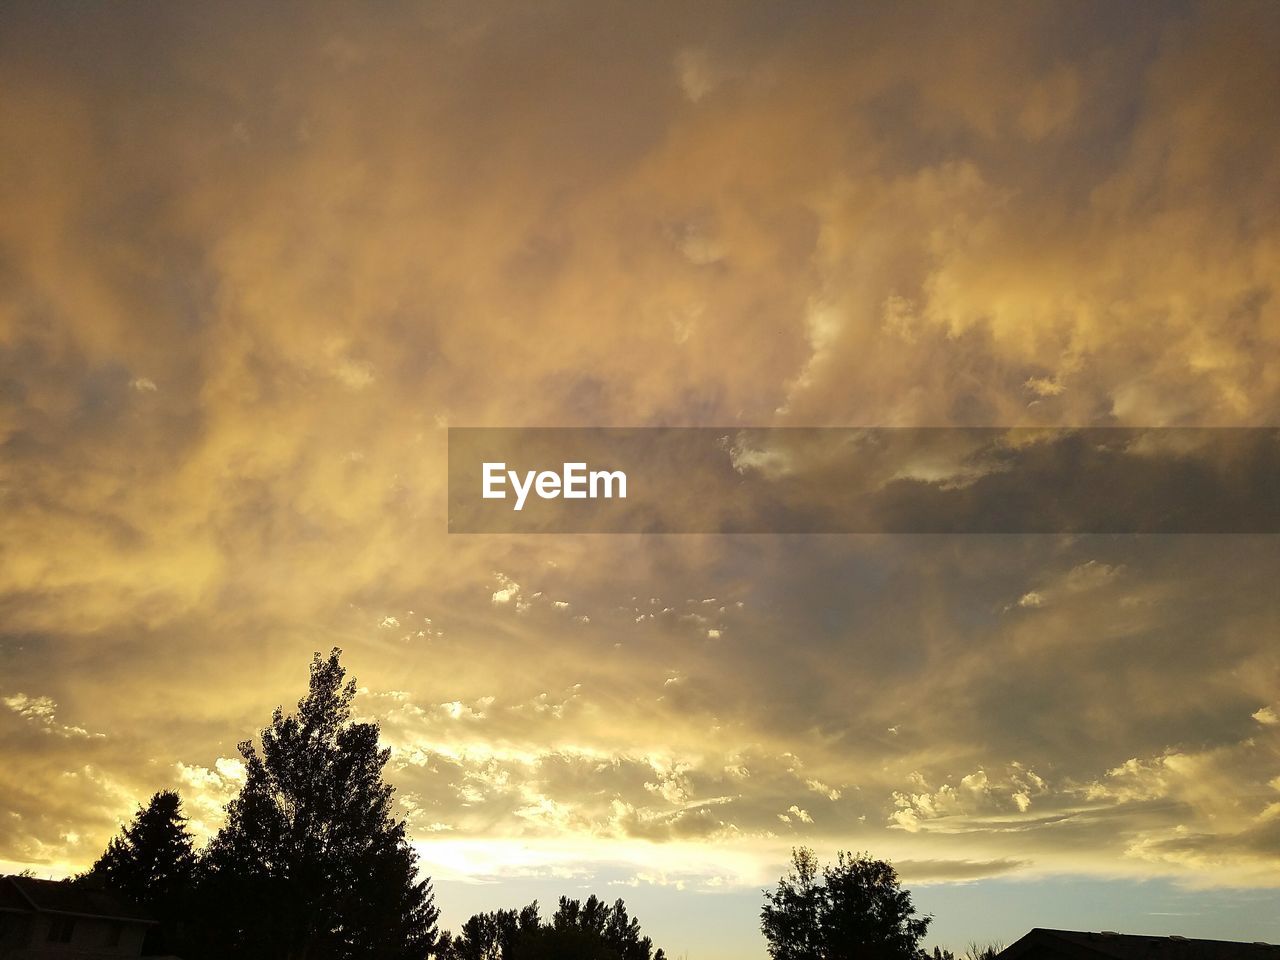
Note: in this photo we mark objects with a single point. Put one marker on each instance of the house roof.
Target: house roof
(1124, 946)
(27, 894)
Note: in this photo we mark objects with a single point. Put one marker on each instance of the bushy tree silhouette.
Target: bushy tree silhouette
(792, 916)
(152, 862)
(609, 926)
(590, 930)
(311, 864)
(858, 910)
(491, 936)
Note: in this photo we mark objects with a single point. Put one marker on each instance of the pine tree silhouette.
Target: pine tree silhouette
(311, 864)
(152, 862)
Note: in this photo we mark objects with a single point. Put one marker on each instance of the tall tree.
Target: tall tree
(792, 916)
(858, 911)
(152, 862)
(311, 864)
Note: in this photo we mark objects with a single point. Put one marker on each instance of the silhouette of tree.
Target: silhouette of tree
(792, 916)
(867, 910)
(590, 930)
(311, 864)
(859, 910)
(974, 952)
(491, 936)
(152, 862)
(608, 925)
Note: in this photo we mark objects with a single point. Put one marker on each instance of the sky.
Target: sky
(255, 260)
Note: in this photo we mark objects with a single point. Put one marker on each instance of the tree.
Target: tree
(608, 926)
(867, 913)
(590, 930)
(152, 862)
(491, 936)
(311, 864)
(859, 910)
(792, 916)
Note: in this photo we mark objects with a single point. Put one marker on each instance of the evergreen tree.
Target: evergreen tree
(311, 864)
(152, 862)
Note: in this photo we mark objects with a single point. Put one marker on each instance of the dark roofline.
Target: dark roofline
(118, 918)
(1108, 934)
(1098, 942)
(14, 883)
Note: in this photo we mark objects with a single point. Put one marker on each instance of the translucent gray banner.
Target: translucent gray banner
(875, 480)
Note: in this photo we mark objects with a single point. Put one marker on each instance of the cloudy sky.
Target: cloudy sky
(254, 262)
